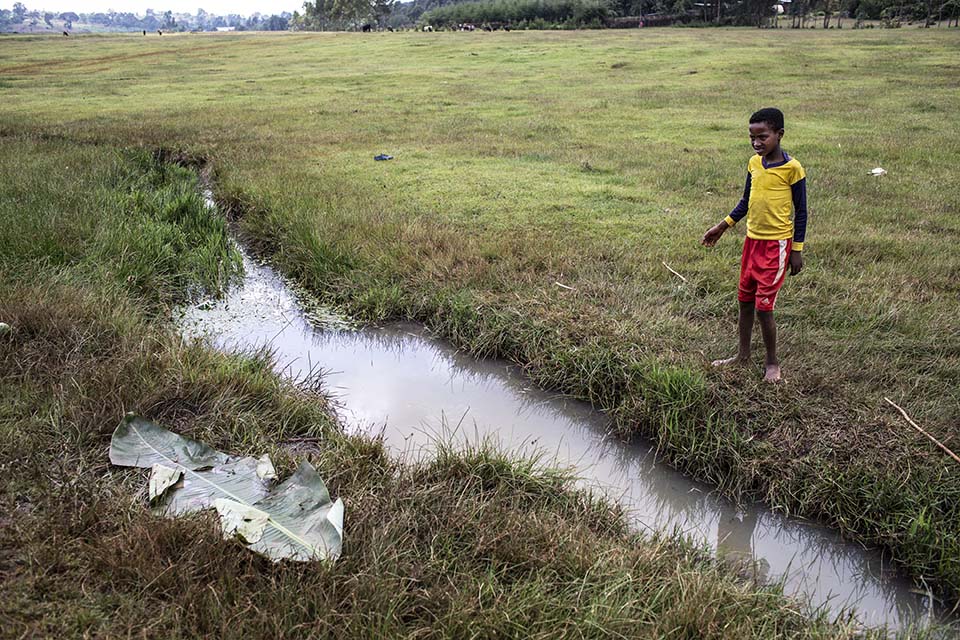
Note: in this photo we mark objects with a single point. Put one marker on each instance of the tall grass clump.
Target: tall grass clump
(141, 224)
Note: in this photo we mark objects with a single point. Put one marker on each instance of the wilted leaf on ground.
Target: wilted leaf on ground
(140, 443)
(304, 524)
(296, 520)
(236, 480)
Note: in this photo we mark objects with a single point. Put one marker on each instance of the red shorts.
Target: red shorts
(763, 269)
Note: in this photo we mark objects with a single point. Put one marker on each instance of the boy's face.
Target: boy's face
(764, 138)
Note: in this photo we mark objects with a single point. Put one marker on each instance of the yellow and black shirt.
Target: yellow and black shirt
(772, 192)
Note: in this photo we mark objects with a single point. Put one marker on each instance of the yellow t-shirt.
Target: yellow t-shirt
(771, 200)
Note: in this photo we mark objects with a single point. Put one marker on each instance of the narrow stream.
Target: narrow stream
(414, 388)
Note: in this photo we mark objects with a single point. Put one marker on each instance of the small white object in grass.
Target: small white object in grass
(879, 171)
(4, 328)
(265, 470)
(162, 478)
(670, 269)
(241, 520)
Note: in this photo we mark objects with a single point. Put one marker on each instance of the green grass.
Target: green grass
(470, 543)
(588, 158)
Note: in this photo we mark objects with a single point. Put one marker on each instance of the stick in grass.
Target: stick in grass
(917, 427)
(672, 271)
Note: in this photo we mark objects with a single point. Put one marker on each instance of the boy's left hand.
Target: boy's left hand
(796, 262)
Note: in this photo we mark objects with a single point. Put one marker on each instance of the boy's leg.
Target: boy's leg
(768, 328)
(745, 331)
(770, 278)
(746, 295)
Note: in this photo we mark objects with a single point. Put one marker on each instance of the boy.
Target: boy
(776, 183)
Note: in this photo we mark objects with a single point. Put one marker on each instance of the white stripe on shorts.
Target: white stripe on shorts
(783, 261)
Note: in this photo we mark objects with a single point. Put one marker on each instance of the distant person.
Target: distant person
(144, 32)
(159, 33)
(776, 186)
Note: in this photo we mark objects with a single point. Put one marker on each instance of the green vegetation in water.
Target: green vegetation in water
(589, 159)
(471, 542)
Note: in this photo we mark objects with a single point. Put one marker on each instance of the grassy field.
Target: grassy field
(96, 244)
(588, 159)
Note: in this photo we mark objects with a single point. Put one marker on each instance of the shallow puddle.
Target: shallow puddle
(413, 388)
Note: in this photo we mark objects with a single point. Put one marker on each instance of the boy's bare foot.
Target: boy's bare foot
(726, 362)
(772, 373)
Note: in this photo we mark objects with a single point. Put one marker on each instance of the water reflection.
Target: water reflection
(415, 389)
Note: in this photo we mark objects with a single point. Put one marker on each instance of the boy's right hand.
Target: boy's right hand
(713, 234)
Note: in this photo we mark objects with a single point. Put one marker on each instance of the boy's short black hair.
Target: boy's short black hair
(770, 115)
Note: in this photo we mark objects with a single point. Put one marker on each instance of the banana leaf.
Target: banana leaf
(236, 480)
(295, 520)
(140, 443)
(304, 524)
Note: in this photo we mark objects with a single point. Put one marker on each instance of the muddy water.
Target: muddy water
(413, 388)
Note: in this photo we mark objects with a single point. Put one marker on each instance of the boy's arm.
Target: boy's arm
(799, 189)
(741, 209)
(713, 233)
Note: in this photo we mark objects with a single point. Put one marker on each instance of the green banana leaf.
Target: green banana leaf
(236, 480)
(295, 520)
(303, 524)
(140, 443)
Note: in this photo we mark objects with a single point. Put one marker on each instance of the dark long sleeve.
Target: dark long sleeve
(741, 209)
(799, 190)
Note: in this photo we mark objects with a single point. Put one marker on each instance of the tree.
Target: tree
(19, 10)
(952, 8)
(317, 14)
(381, 11)
(276, 23)
(126, 20)
(351, 12)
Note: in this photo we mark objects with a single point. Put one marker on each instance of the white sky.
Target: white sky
(139, 7)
